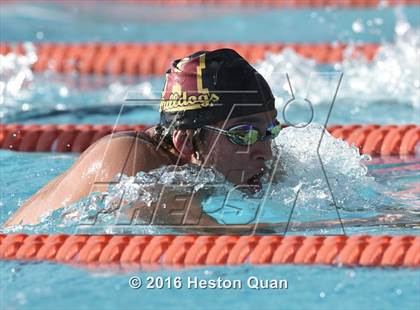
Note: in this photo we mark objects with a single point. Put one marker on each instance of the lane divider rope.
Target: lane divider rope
(190, 250)
(375, 140)
(259, 3)
(277, 3)
(136, 59)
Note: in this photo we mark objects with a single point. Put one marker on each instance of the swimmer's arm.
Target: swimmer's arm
(172, 209)
(81, 179)
(23, 214)
(195, 220)
(283, 227)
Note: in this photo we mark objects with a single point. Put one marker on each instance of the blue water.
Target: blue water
(61, 99)
(119, 23)
(26, 287)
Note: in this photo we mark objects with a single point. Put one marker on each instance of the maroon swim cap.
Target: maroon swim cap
(209, 86)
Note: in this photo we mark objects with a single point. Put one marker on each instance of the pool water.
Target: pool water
(325, 287)
(367, 95)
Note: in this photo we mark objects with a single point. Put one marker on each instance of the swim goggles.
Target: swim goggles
(247, 134)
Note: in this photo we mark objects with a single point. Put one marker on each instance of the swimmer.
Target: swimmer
(216, 111)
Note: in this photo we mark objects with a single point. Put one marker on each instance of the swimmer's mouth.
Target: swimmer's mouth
(254, 183)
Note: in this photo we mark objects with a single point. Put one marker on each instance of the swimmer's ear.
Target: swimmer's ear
(182, 140)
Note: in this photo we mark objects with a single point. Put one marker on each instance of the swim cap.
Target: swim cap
(209, 86)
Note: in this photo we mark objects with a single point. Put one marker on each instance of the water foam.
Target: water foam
(323, 173)
(106, 211)
(16, 75)
(392, 76)
(22, 90)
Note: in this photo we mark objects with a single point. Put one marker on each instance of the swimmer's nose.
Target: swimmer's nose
(262, 151)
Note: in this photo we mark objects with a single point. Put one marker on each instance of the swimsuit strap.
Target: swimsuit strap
(162, 150)
(146, 138)
(141, 135)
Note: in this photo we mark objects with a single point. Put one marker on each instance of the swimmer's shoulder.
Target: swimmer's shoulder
(137, 149)
(144, 137)
(123, 140)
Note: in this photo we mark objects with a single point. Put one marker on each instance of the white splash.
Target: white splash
(21, 90)
(391, 76)
(117, 92)
(16, 74)
(306, 153)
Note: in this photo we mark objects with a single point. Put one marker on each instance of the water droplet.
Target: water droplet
(208, 272)
(21, 298)
(357, 26)
(26, 107)
(60, 107)
(322, 294)
(40, 35)
(338, 287)
(64, 92)
(378, 21)
(401, 28)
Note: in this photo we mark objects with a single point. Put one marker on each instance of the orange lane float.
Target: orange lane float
(375, 140)
(134, 59)
(191, 250)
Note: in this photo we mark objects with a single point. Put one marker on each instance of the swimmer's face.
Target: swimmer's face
(241, 165)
